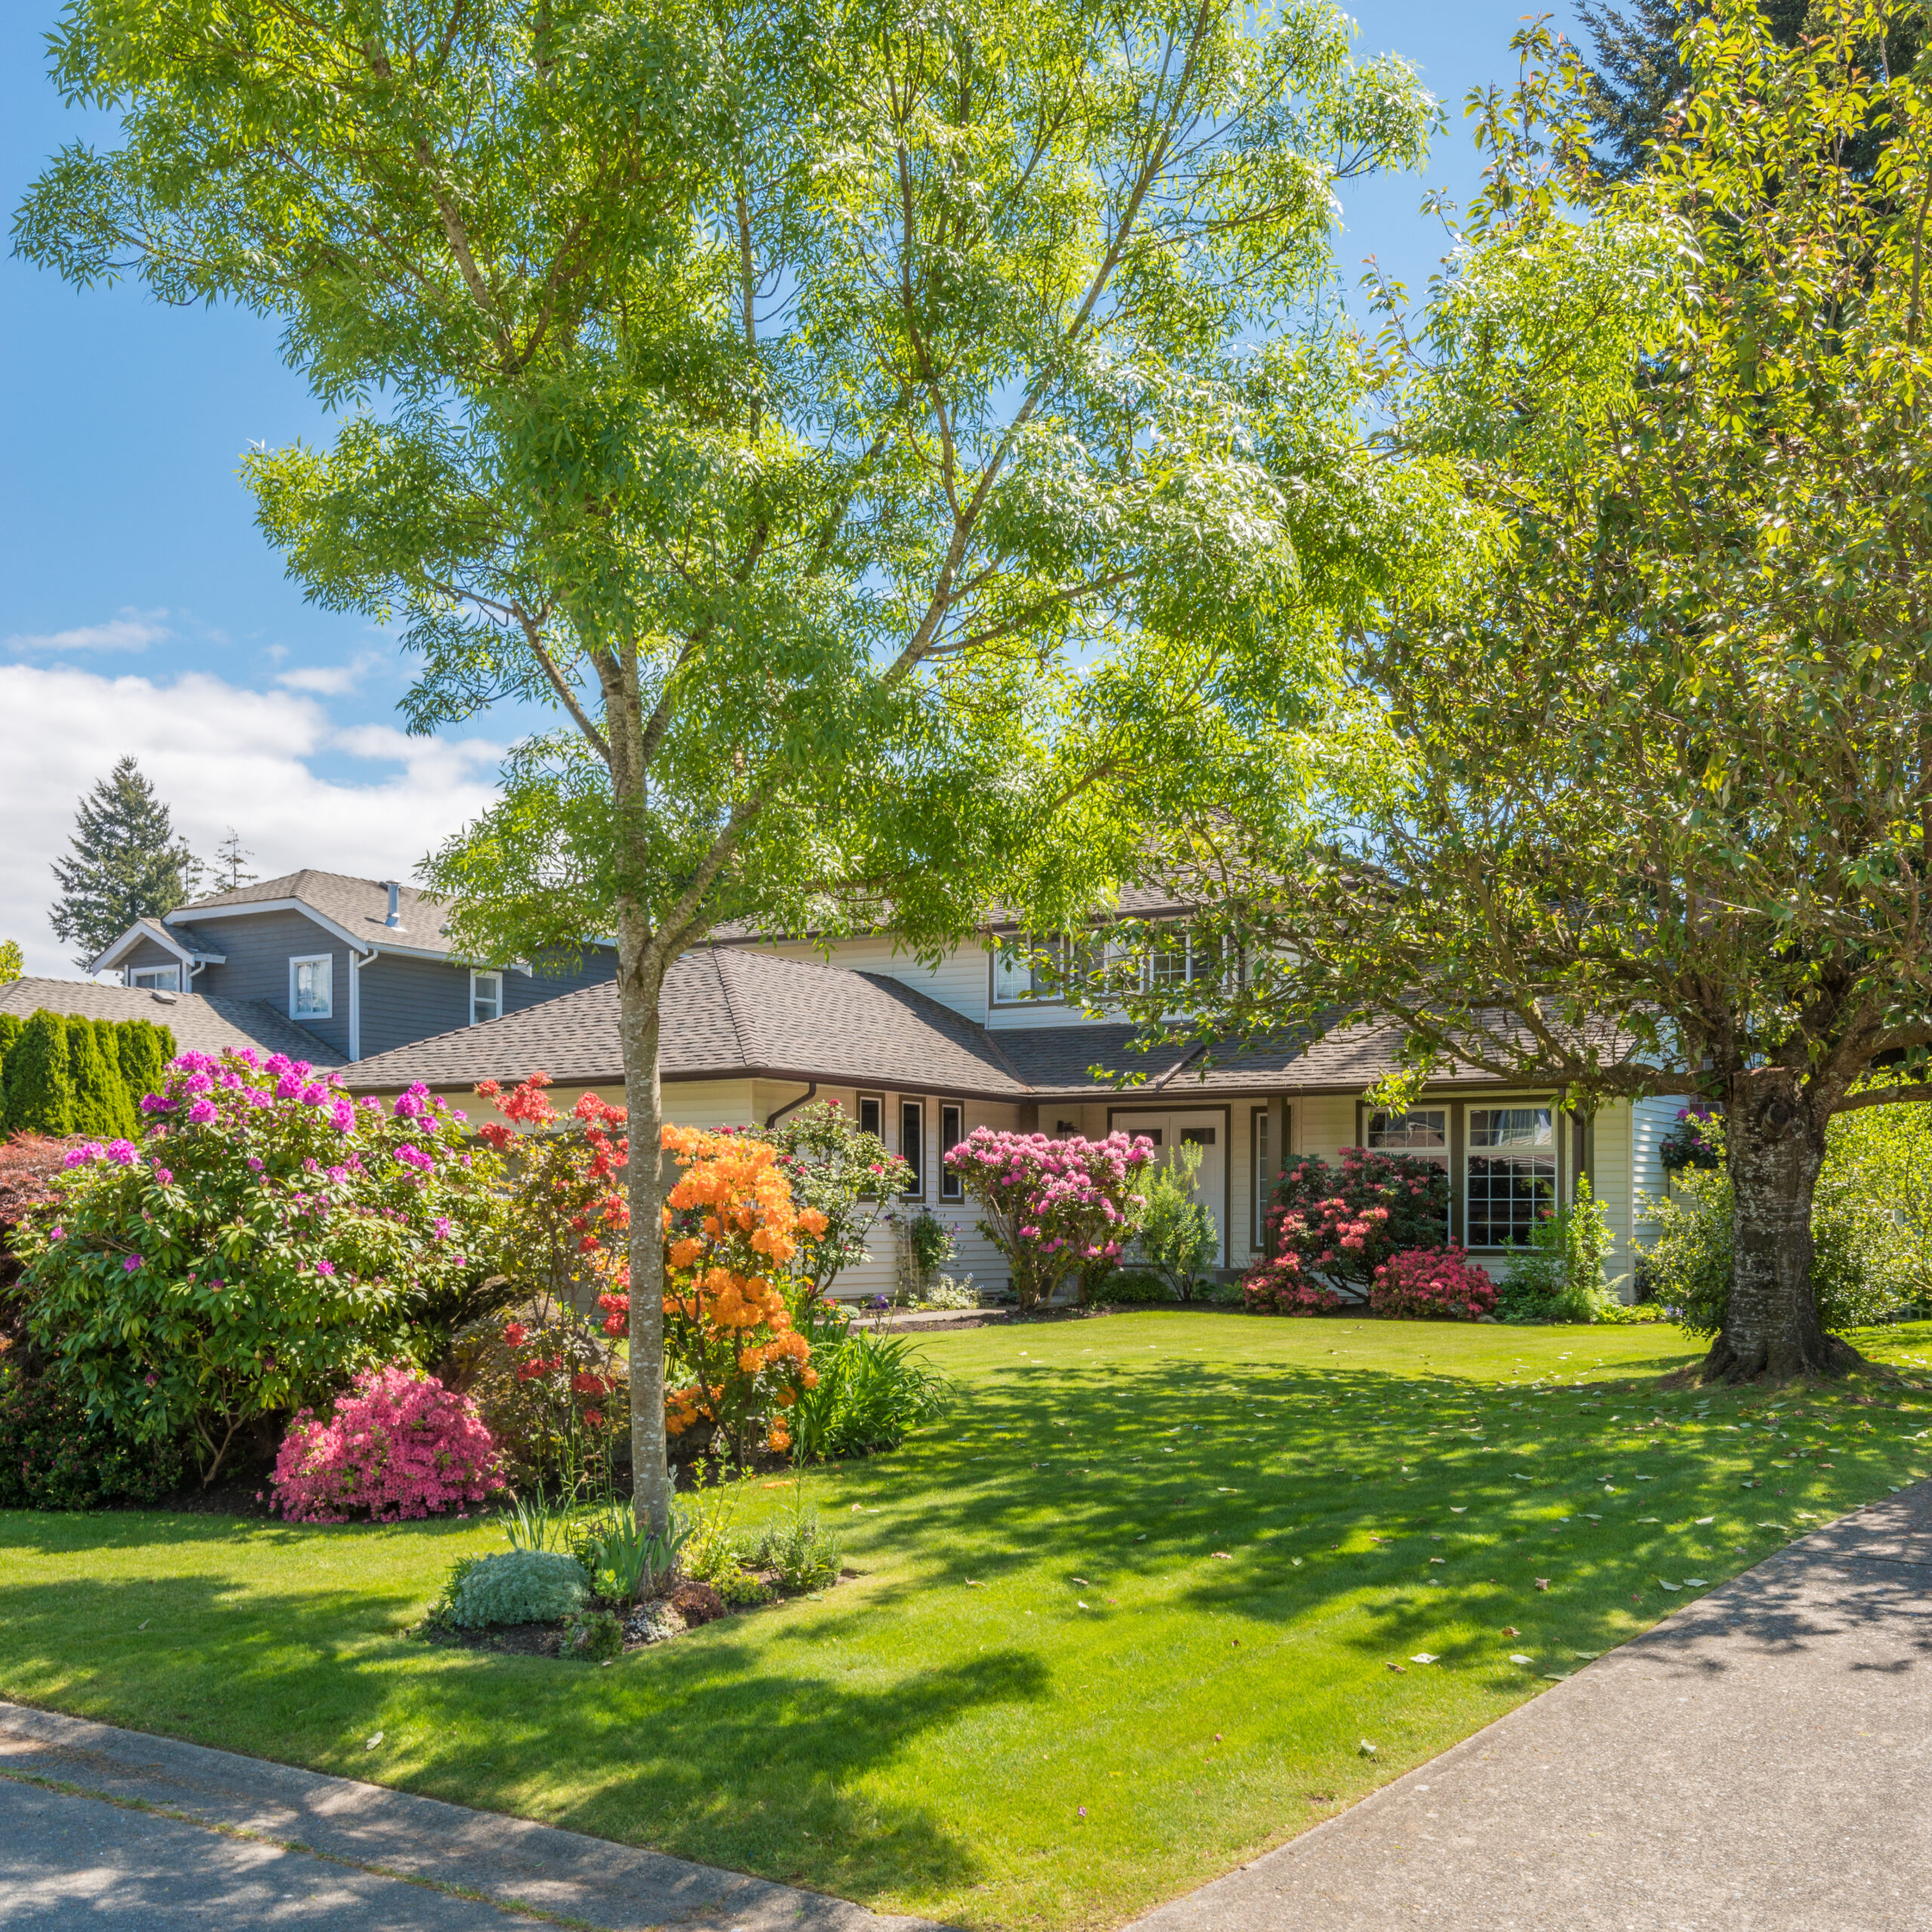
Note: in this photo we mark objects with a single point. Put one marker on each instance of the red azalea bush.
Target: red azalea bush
(1279, 1286)
(1439, 1284)
(1343, 1223)
(400, 1444)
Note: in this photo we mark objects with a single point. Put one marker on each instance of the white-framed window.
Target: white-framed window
(952, 1131)
(1422, 1131)
(1510, 1182)
(1017, 979)
(156, 978)
(486, 997)
(311, 988)
(912, 1146)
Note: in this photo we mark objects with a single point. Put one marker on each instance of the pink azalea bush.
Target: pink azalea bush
(1052, 1208)
(1440, 1284)
(399, 1444)
(1279, 1286)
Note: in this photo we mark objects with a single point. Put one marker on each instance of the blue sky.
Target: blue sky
(141, 610)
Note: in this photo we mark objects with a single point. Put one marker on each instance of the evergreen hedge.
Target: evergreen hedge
(62, 1075)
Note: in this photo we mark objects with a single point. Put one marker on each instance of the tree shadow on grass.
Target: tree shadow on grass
(702, 1748)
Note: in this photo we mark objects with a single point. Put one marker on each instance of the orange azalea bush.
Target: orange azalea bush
(733, 1237)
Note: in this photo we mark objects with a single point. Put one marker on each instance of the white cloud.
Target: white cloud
(129, 630)
(219, 756)
(330, 680)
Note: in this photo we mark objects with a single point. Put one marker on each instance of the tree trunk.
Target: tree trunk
(639, 986)
(1775, 1145)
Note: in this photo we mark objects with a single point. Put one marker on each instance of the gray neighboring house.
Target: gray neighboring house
(200, 1025)
(363, 965)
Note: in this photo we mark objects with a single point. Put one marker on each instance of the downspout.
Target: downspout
(778, 1113)
(356, 963)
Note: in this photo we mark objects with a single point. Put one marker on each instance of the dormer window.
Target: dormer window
(156, 979)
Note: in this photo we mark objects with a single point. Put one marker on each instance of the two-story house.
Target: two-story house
(362, 965)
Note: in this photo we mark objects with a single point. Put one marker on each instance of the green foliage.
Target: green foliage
(625, 1559)
(100, 1103)
(804, 1554)
(142, 1051)
(1132, 1286)
(13, 961)
(1871, 1226)
(40, 1090)
(592, 1636)
(1177, 1234)
(846, 1174)
(54, 1456)
(1559, 1277)
(126, 863)
(873, 1390)
(513, 1586)
(11, 1026)
(715, 1551)
(271, 1240)
(533, 1521)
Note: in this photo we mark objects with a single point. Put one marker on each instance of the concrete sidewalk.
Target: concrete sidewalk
(1761, 1762)
(191, 1837)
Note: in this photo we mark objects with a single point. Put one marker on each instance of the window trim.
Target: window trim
(1029, 997)
(297, 962)
(475, 974)
(1508, 1104)
(913, 1111)
(148, 979)
(951, 1183)
(1447, 1110)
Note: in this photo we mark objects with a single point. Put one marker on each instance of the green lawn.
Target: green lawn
(1184, 1619)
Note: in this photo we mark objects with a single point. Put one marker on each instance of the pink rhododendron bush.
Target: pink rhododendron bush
(1440, 1284)
(1052, 1208)
(398, 1444)
(1332, 1228)
(265, 1239)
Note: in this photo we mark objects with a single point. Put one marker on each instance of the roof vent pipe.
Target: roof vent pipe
(393, 921)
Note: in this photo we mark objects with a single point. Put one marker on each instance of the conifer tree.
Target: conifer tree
(99, 1100)
(143, 1050)
(126, 865)
(40, 1094)
(121, 1103)
(10, 1026)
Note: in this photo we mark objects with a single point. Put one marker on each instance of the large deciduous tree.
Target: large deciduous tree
(1645, 805)
(901, 445)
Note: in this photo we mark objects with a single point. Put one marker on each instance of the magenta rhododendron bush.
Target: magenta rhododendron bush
(1440, 1284)
(398, 1444)
(1052, 1207)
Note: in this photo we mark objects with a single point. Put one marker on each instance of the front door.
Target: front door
(1209, 1130)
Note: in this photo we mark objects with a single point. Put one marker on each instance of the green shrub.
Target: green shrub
(143, 1051)
(1132, 1286)
(52, 1456)
(1176, 1236)
(804, 1554)
(1559, 1277)
(100, 1102)
(273, 1239)
(1871, 1225)
(625, 1559)
(593, 1636)
(873, 1389)
(40, 1092)
(714, 1553)
(512, 1586)
(11, 1025)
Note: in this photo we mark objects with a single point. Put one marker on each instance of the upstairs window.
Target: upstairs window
(486, 998)
(1017, 979)
(311, 988)
(156, 978)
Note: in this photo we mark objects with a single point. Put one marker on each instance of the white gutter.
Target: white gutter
(356, 963)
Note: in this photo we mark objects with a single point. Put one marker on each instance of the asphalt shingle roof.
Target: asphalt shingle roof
(359, 906)
(199, 1024)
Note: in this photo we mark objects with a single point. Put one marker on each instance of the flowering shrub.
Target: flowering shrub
(268, 1238)
(838, 1171)
(1052, 1207)
(1339, 1224)
(1440, 1284)
(546, 1373)
(733, 1362)
(1279, 1286)
(399, 1444)
(1695, 1143)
